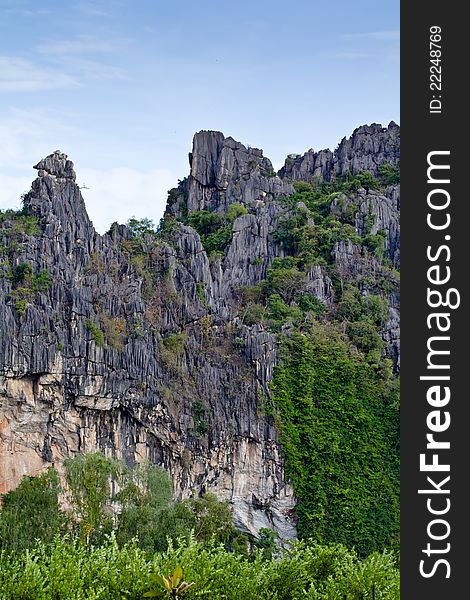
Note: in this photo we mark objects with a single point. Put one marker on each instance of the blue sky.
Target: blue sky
(121, 86)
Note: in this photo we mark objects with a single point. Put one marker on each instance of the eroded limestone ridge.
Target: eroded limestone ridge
(139, 346)
(368, 148)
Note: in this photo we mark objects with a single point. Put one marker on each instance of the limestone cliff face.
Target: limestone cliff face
(139, 349)
(177, 378)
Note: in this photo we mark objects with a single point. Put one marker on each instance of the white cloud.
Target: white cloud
(86, 69)
(119, 193)
(113, 195)
(74, 56)
(385, 36)
(82, 44)
(20, 75)
(11, 189)
(351, 55)
(27, 135)
(92, 9)
(27, 12)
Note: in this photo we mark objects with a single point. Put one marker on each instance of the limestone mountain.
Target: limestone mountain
(162, 344)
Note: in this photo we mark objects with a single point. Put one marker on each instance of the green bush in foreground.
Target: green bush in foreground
(67, 571)
(31, 511)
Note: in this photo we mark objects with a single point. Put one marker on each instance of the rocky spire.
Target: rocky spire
(207, 146)
(224, 171)
(56, 199)
(56, 165)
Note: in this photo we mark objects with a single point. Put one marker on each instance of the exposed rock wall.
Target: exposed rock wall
(168, 384)
(144, 354)
(368, 149)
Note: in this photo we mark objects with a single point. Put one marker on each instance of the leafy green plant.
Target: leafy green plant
(281, 313)
(21, 305)
(66, 569)
(215, 230)
(173, 584)
(41, 282)
(96, 332)
(200, 292)
(310, 304)
(268, 172)
(367, 180)
(205, 222)
(375, 244)
(218, 240)
(88, 478)
(200, 418)
(175, 342)
(253, 313)
(389, 173)
(205, 519)
(267, 543)
(146, 491)
(234, 211)
(141, 227)
(285, 281)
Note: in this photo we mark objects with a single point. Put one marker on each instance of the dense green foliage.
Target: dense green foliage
(16, 226)
(92, 552)
(68, 571)
(96, 333)
(334, 396)
(319, 214)
(215, 229)
(88, 478)
(25, 284)
(19, 222)
(141, 227)
(145, 494)
(390, 174)
(31, 511)
(103, 497)
(339, 422)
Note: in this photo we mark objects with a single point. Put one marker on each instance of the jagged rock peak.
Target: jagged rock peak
(216, 159)
(376, 129)
(369, 147)
(207, 146)
(56, 199)
(56, 165)
(223, 172)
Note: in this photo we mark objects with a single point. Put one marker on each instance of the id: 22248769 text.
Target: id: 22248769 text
(435, 72)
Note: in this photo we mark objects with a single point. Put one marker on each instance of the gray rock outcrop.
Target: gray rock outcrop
(369, 147)
(129, 358)
(224, 172)
(140, 349)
